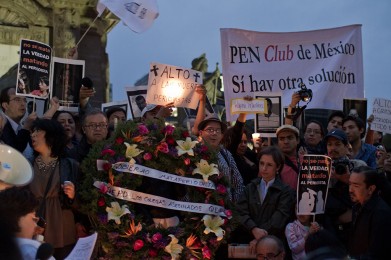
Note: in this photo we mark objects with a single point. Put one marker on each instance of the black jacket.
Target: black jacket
(18, 141)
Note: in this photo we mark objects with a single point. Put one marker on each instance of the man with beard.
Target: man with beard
(369, 236)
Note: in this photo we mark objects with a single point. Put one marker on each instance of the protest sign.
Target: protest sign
(314, 177)
(381, 110)
(34, 69)
(271, 118)
(355, 107)
(137, 100)
(66, 80)
(167, 84)
(240, 105)
(37, 105)
(329, 62)
(191, 113)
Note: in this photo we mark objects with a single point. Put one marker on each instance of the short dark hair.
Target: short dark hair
(55, 136)
(359, 123)
(276, 154)
(4, 96)
(92, 112)
(337, 113)
(16, 202)
(230, 134)
(44, 79)
(114, 109)
(59, 112)
(370, 175)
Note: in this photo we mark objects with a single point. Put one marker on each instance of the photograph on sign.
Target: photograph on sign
(66, 80)
(271, 119)
(356, 107)
(37, 105)
(192, 113)
(137, 100)
(255, 106)
(34, 69)
(172, 84)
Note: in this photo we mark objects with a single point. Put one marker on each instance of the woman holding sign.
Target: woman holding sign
(266, 204)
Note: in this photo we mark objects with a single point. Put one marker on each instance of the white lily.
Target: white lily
(186, 146)
(132, 151)
(174, 249)
(212, 224)
(116, 212)
(206, 169)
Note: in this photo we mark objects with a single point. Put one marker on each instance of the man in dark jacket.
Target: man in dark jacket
(371, 229)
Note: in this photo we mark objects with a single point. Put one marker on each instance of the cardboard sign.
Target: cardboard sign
(240, 105)
(314, 177)
(167, 84)
(381, 110)
(34, 69)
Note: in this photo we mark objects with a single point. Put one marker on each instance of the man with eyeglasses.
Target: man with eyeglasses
(288, 140)
(14, 107)
(211, 131)
(270, 248)
(95, 129)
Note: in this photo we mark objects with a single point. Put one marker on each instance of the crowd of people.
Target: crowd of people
(263, 180)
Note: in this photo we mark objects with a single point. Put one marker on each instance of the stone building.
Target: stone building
(60, 24)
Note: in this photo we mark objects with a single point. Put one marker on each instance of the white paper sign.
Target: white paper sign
(381, 110)
(329, 62)
(167, 84)
(240, 105)
(83, 248)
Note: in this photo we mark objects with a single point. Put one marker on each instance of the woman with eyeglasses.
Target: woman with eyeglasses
(54, 185)
(266, 205)
(18, 215)
(313, 139)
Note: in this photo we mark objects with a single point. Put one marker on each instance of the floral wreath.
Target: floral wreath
(123, 233)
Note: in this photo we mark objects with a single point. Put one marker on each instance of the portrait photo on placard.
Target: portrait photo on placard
(37, 105)
(192, 113)
(271, 120)
(137, 100)
(66, 80)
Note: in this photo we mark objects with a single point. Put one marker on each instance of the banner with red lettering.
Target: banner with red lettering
(329, 62)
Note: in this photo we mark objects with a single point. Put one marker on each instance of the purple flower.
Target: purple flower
(143, 130)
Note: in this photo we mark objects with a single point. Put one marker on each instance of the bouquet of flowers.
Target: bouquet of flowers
(113, 175)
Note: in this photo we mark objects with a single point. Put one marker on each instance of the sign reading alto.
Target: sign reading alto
(171, 84)
(327, 61)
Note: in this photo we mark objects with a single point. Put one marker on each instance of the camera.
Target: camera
(305, 94)
(340, 165)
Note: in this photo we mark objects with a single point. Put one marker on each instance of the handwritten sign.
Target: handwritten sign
(314, 176)
(240, 105)
(83, 248)
(381, 110)
(167, 84)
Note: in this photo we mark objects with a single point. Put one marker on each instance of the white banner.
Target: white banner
(167, 84)
(157, 201)
(329, 62)
(381, 110)
(153, 173)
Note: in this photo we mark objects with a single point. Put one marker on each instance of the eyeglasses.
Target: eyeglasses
(212, 130)
(19, 100)
(96, 126)
(268, 256)
(313, 131)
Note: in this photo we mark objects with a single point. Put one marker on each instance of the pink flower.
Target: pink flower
(187, 161)
(156, 237)
(206, 252)
(147, 156)
(169, 129)
(103, 188)
(228, 213)
(101, 202)
(221, 202)
(221, 189)
(108, 152)
(119, 140)
(106, 166)
(138, 244)
(163, 147)
(143, 130)
(152, 252)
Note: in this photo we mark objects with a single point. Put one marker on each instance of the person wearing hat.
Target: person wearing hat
(156, 112)
(211, 131)
(287, 141)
